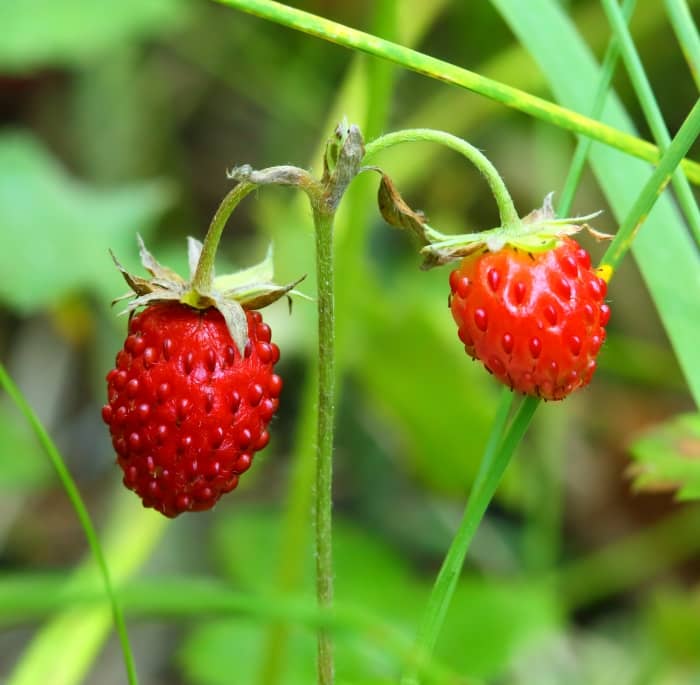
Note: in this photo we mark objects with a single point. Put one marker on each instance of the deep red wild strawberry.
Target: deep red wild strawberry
(193, 389)
(536, 320)
(186, 411)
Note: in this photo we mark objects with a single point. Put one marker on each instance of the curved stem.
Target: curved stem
(324, 445)
(506, 208)
(83, 516)
(204, 275)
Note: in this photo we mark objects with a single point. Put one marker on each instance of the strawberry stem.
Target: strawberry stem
(324, 444)
(204, 274)
(345, 153)
(506, 208)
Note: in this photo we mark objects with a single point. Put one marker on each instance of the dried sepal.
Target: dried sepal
(258, 295)
(539, 231)
(157, 270)
(236, 321)
(231, 294)
(139, 285)
(194, 252)
(396, 212)
(149, 298)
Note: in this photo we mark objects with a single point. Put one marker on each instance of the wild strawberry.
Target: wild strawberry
(186, 411)
(536, 320)
(193, 389)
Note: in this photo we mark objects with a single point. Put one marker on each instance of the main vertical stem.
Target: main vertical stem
(324, 444)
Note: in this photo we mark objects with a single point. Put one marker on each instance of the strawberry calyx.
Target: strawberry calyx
(539, 231)
(231, 294)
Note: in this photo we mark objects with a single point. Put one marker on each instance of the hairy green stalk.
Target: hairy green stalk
(81, 511)
(324, 445)
(454, 75)
(506, 208)
(204, 275)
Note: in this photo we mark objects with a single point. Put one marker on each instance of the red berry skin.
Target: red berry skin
(186, 412)
(535, 320)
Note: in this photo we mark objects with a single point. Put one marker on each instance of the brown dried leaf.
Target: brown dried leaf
(398, 214)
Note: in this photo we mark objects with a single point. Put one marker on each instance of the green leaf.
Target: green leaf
(230, 650)
(38, 33)
(663, 246)
(490, 621)
(673, 619)
(668, 457)
(56, 231)
(410, 341)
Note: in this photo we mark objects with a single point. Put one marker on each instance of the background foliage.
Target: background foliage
(118, 122)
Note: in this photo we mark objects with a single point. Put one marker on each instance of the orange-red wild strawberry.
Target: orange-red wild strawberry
(186, 410)
(535, 320)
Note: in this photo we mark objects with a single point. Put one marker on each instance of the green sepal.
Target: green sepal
(231, 294)
(261, 272)
(539, 231)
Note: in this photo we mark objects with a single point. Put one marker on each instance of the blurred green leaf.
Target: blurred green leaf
(489, 623)
(420, 382)
(663, 245)
(673, 619)
(22, 463)
(39, 33)
(55, 231)
(226, 651)
(668, 457)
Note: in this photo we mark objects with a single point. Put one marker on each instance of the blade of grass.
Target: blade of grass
(497, 456)
(665, 253)
(652, 112)
(454, 75)
(627, 232)
(583, 147)
(687, 34)
(63, 650)
(81, 511)
(449, 110)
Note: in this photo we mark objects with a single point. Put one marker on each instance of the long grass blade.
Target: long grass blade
(458, 76)
(652, 111)
(687, 34)
(81, 511)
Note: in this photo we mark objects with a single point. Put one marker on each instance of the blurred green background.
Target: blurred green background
(123, 118)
